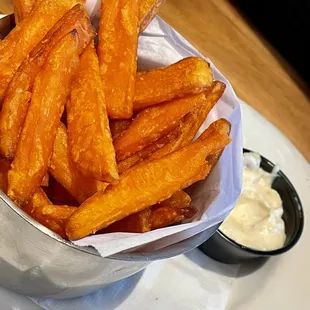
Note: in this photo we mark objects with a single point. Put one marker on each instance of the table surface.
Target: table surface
(256, 73)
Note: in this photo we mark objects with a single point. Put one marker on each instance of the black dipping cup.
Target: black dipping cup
(225, 250)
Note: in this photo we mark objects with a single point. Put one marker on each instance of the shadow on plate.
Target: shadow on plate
(228, 270)
(207, 263)
(251, 266)
(104, 299)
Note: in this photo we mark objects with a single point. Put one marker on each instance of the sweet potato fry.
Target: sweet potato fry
(166, 216)
(4, 169)
(196, 119)
(189, 76)
(118, 126)
(153, 123)
(179, 199)
(147, 151)
(90, 140)
(20, 42)
(172, 211)
(15, 105)
(144, 185)
(63, 169)
(168, 212)
(221, 126)
(148, 10)
(191, 123)
(22, 9)
(40, 208)
(117, 50)
(45, 180)
(53, 217)
(135, 223)
(51, 89)
(38, 200)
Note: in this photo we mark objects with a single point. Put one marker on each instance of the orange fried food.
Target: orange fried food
(89, 133)
(135, 223)
(38, 200)
(22, 9)
(221, 126)
(26, 35)
(4, 169)
(191, 123)
(145, 185)
(117, 50)
(45, 180)
(117, 126)
(15, 105)
(189, 76)
(53, 217)
(165, 216)
(51, 89)
(41, 209)
(154, 122)
(39, 206)
(148, 151)
(172, 211)
(179, 199)
(63, 169)
(148, 10)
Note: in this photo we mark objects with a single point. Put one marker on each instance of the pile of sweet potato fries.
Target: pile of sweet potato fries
(87, 143)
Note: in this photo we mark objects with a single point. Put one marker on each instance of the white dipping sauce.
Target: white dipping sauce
(256, 219)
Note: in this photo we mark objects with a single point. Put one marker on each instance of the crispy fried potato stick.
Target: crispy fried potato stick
(191, 123)
(117, 126)
(117, 50)
(63, 169)
(153, 123)
(4, 169)
(25, 36)
(90, 140)
(41, 209)
(148, 10)
(177, 208)
(51, 89)
(45, 180)
(166, 216)
(147, 151)
(144, 185)
(53, 217)
(221, 126)
(135, 223)
(38, 200)
(172, 211)
(179, 199)
(182, 135)
(22, 9)
(14, 109)
(189, 76)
